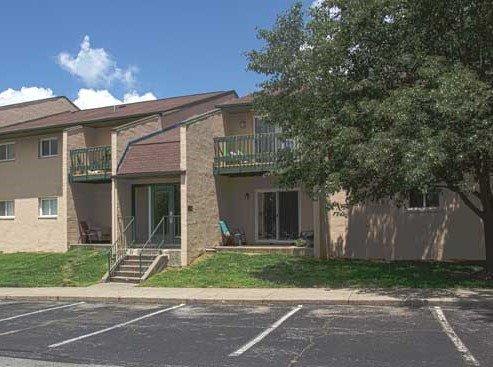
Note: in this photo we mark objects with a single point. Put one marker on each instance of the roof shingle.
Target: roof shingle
(112, 113)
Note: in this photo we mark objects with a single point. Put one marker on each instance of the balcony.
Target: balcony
(90, 164)
(247, 154)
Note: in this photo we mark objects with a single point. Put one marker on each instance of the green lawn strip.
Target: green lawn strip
(73, 268)
(236, 270)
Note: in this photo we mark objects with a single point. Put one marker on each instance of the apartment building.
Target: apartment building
(154, 179)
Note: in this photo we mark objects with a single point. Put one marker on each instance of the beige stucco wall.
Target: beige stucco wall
(389, 232)
(238, 122)
(92, 203)
(102, 136)
(199, 191)
(237, 203)
(25, 180)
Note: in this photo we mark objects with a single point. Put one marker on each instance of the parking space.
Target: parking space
(234, 335)
(474, 326)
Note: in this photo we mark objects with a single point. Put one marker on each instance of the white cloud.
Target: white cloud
(25, 94)
(334, 11)
(133, 97)
(92, 98)
(95, 66)
(317, 3)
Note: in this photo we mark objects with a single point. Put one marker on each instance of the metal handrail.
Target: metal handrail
(148, 242)
(119, 247)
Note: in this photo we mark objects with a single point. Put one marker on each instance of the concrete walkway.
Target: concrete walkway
(113, 292)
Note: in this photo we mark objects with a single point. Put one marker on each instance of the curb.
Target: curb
(411, 303)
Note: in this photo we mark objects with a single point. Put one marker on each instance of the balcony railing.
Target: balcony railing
(90, 164)
(247, 153)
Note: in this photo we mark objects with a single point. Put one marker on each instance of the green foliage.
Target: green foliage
(73, 268)
(236, 270)
(383, 97)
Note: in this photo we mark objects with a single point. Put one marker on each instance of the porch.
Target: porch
(268, 218)
(149, 213)
(89, 220)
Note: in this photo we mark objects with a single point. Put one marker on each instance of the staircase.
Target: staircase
(129, 271)
(131, 263)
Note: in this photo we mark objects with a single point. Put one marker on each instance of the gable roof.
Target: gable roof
(158, 152)
(245, 101)
(123, 111)
(150, 156)
(21, 112)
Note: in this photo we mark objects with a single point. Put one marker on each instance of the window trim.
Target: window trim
(8, 217)
(40, 208)
(40, 147)
(424, 208)
(6, 144)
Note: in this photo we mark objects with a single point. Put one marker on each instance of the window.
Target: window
(48, 207)
(6, 209)
(7, 152)
(420, 200)
(48, 147)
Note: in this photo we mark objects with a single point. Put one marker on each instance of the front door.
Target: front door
(162, 213)
(277, 216)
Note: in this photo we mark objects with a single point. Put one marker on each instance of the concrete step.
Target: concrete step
(145, 263)
(136, 261)
(128, 274)
(136, 257)
(125, 267)
(117, 279)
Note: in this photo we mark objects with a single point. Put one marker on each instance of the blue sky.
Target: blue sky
(141, 49)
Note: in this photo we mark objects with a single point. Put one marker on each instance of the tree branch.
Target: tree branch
(470, 204)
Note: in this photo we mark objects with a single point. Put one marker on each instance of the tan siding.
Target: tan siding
(388, 232)
(25, 180)
(238, 123)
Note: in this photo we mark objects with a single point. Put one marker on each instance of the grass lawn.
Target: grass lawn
(236, 270)
(73, 268)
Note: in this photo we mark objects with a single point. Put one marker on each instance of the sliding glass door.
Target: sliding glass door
(156, 209)
(277, 216)
(162, 211)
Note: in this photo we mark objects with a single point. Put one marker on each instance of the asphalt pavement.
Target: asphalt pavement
(59, 334)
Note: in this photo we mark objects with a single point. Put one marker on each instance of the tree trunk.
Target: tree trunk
(488, 240)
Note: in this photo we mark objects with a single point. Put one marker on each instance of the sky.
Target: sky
(108, 52)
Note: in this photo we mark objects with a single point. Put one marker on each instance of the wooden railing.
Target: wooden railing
(247, 153)
(90, 164)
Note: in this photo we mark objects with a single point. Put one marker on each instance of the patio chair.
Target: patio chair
(87, 234)
(231, 238)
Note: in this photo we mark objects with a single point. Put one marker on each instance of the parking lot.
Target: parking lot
(234, 335)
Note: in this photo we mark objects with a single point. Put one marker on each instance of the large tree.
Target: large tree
(383, 97)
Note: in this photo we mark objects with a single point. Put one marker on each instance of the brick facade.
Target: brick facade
(199, 188)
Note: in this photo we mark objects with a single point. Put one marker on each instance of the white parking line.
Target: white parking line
(459, 345)
(114, 327)
(266, 332)
(40, 311)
